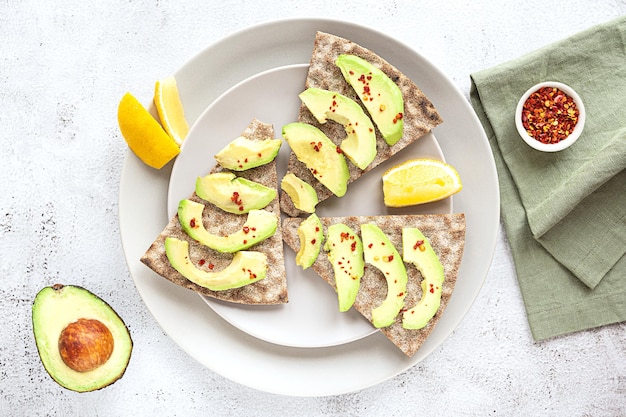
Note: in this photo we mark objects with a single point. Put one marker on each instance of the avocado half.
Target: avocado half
(82, 342)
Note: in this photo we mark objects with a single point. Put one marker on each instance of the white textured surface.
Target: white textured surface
(64, 67)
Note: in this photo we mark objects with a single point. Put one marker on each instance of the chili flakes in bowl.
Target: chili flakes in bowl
(550, 116)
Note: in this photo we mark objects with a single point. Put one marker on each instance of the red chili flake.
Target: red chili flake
(245, 241)
(353, 246)
(259, 154)
(401, 294)
(338, 149)
(418, 244)
(432, 289)
(317, 146)
(211, 266)
(246, 229)
(344, 236)
(398, 117)
(192, 223)
(201, 262)
(549, 115)
(370, 245)
(351, 72)
(313, 241)
(317, 229)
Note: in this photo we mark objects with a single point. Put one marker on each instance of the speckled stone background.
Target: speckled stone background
(64, 67)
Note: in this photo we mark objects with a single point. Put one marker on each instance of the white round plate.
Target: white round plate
(312, 317)
(270, 367)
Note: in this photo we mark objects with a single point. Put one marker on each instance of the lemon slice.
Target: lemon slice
(143, 133)
(170, 109)
(419, 181)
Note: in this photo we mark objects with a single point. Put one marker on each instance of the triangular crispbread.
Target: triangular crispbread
(420, 115)
(446, 233)
(270, 290)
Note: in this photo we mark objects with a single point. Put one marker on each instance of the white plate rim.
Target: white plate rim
(297, 371)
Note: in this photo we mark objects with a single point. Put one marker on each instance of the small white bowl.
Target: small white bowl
(565, 143)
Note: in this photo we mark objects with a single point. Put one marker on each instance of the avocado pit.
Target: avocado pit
(85, 344)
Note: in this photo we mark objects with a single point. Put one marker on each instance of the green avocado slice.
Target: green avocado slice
(311, 235)
(360, 142)
(234, 194)
(345, 253)
(417, 250)
(259, 225)
(320, 155)
(379, 94)
(245, 268)
(303, 196)
(242, 153)
(380, 252)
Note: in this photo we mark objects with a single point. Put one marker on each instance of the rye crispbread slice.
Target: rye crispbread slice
(446, 233)
(420, 115)
(270, 290)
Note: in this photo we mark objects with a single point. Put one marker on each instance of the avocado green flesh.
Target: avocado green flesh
(234, 194)
(302, 195)
(313, 148)
(311, 235)
(418, 251)
(245, 268)
(380, 252)
(243, 153)
(360, 142)
(379, 94)
(259, 225)
(345, 253)
(56, 307)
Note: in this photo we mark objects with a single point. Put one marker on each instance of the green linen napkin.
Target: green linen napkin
(564, 213)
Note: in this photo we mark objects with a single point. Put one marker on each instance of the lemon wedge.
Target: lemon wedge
(419, 181)
(143, 133)
(170, 109)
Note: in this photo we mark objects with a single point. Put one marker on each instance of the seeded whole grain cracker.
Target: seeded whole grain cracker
(420, 115)
(270, 290)
(446, 233)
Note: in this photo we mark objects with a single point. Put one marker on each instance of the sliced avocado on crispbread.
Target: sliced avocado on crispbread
(418, 251)
(245, 268)
(301, 193)
(359, 146)
(345, 253)
(382, 254)
(379, 94)
(311, 237)
(237, 195)
(243, 153)
(319, 155)
(418, 118)
(272, 289)
(446, 233)
(259, 225)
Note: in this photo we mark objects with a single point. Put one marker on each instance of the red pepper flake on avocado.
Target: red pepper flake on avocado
(549, 115)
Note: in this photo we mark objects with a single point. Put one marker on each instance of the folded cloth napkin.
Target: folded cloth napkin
(564, 212)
